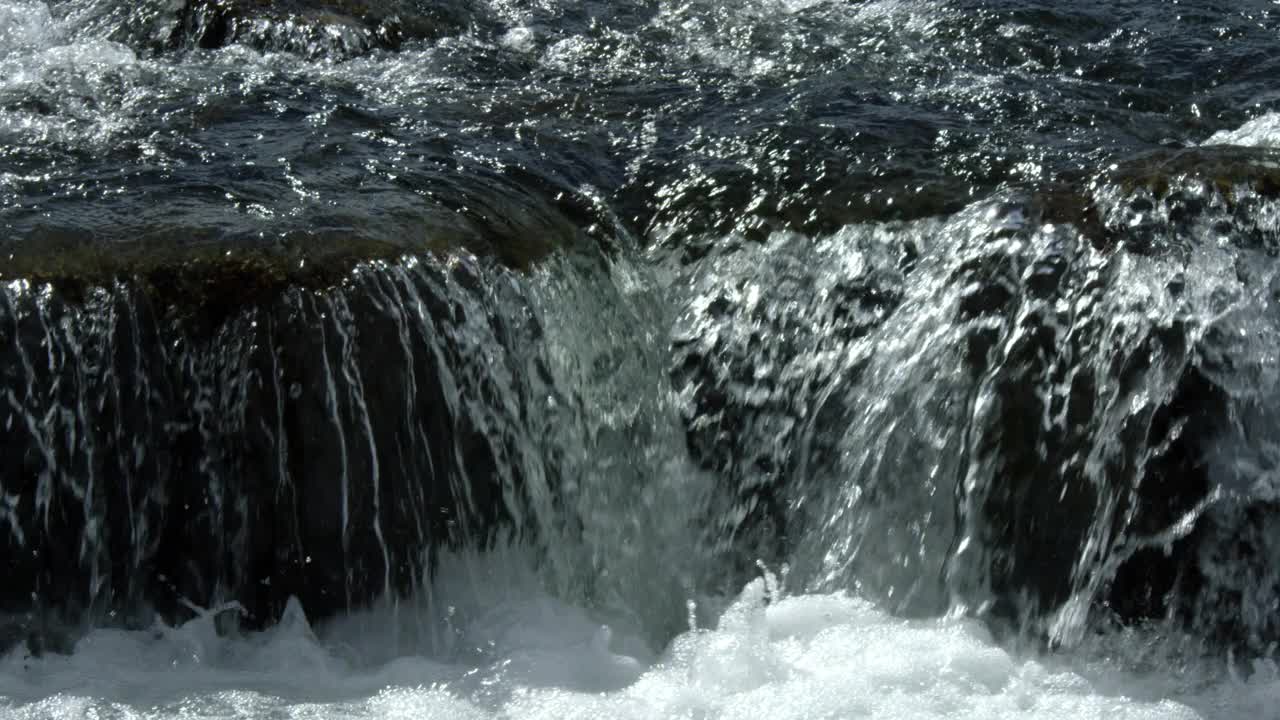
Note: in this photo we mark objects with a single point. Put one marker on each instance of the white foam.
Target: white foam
(799, 657)
(23, 27)
(32, 44)
(520, 39)
(1262, 131)
(41, 59)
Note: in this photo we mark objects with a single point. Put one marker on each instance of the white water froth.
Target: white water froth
(33, 46)
(39, 57)
(1261, 132)
(517, 653)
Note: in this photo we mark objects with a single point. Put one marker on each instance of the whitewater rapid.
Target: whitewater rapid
(500, 648)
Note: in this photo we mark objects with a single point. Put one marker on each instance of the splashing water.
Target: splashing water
(514, 652)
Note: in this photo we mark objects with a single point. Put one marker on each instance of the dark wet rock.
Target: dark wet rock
(12, 634)
(1101, 422)
(1230, 586)
(221, 430)
(34, 637)
(742, 359)
(193, 269)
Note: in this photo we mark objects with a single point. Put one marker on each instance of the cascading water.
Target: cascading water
(638, 359)
(948, 389)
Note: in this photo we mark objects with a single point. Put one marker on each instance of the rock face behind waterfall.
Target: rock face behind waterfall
(219, 431)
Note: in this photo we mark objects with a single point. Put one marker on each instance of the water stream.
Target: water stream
(644, 359)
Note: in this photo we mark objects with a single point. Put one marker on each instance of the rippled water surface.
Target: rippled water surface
(708, 117)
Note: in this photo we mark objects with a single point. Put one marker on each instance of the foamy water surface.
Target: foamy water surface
(526, 655)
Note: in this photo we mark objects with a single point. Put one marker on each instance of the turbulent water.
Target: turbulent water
(511, 652)
(537, 358)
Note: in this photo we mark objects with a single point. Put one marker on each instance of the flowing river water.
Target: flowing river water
(639, 359)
